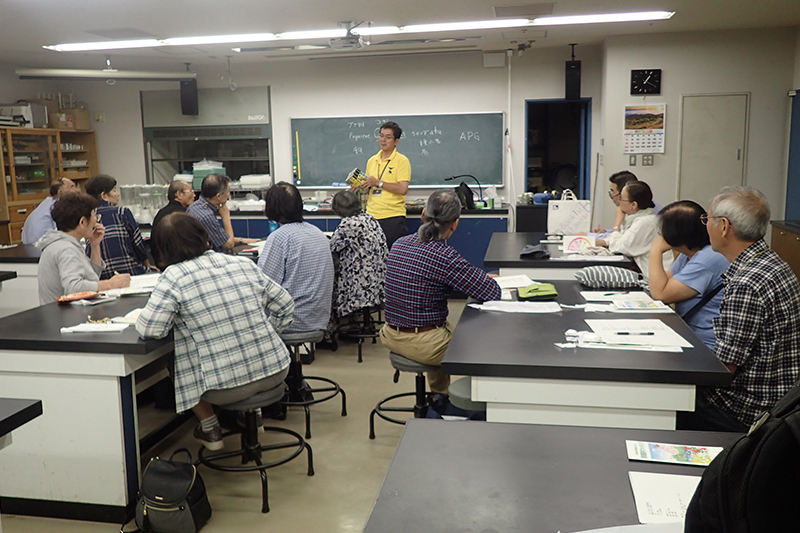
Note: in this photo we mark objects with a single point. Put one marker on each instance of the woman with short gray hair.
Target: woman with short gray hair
(359, 255)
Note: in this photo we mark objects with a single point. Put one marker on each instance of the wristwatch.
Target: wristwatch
(380, 184)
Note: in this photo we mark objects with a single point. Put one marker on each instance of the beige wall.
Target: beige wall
(760, 62)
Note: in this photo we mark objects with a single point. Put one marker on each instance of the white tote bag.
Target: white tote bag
(569, 215)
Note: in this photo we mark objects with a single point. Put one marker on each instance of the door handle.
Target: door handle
(739, 154)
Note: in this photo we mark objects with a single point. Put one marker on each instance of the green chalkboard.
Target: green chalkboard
(325, 150)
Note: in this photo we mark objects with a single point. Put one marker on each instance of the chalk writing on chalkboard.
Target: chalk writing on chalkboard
(437, 146)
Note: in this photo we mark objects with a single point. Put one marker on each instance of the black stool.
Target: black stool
(298, 394)
(252, 449)
(420, 409)
(366, 327)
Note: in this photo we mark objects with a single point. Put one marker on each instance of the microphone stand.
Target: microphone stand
(480, 189)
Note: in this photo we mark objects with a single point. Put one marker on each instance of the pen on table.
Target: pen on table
(635, 333)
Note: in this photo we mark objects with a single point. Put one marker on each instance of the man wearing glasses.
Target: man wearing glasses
(758, 329)
(180, 195)
(388, 176)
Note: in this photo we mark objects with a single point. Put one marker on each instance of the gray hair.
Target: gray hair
(746, 209)
(443, 208)
(345, 204)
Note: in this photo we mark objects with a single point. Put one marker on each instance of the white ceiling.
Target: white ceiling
(27, 25)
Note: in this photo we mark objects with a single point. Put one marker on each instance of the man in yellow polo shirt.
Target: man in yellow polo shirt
(388, 175)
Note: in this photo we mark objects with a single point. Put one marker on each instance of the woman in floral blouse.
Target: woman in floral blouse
(359, 253)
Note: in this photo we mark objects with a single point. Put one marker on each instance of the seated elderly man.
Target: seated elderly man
(758, 328)
(298, 257)
(180, 196)
(421, 272)
(40, 221)
(226, 317)
(123, 248)
(214, 193)
(63, 266)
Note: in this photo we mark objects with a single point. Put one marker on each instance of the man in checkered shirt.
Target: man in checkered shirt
(421, 272)
(758, 330)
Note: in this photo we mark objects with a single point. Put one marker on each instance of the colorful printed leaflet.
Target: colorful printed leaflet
(671, 453)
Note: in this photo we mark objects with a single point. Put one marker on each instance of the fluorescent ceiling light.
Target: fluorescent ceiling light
(472, 25)
(365, 31)
(376, 30)
(312, 34)
(605, 18)
(220, 39)
(105, 45)
(107, 74)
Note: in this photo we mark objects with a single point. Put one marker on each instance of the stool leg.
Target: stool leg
(360, 342)
(372, 425)
(310, 459)
(420, 406)
(308, 421)
(344, 402)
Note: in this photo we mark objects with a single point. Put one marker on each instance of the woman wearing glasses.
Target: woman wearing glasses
(694, 283)
(636, 202)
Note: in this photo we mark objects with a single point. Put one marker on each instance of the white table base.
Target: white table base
(582, 403)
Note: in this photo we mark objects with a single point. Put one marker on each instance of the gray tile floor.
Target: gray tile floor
(349, 466)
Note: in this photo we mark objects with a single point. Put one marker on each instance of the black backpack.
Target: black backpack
(172, 498)
(754, 484)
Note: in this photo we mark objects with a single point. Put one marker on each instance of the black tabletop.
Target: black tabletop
(522, 346)
(5, 276)
(14, 413)
(21, 253)
(40, 329)
(504, 249)
(481, 477)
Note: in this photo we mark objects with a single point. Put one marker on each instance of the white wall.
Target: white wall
(796, 84)
(760, 62)
(421, 84)
(13, 89)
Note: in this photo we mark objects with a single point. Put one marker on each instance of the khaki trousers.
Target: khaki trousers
(427, 348)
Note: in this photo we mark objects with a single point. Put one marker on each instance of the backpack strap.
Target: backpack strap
(699, 305)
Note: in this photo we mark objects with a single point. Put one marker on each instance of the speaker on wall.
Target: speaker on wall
(189, 97)
(573, 80)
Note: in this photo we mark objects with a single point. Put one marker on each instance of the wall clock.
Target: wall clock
(646, 81)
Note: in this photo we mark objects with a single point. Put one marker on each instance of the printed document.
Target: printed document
(662, 498)
(679, 454)
(637, 332)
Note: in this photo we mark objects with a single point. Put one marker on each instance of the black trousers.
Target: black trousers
(393, 228)
(707, 417)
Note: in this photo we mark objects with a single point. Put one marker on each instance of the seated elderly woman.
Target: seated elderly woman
(694, 283)
(359, 253)
(636, 201)
(123, 248)
(226, 316)
(63, 266)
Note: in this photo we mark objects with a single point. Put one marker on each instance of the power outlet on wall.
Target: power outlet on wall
(632, 161)
(647, 160)
(99, 117)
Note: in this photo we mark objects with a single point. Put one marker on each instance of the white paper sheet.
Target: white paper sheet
(662, 335)
(580, 257)
(130, 318)
(669, 527)
(609, 296)
(513, 282)
(662, 498)
(609, 308)
(95, 328)
(519, 307)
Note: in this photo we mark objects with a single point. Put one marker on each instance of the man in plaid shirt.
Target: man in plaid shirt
(421, 272)
(758, 330)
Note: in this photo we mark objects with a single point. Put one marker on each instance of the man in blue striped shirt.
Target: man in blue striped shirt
(297, 256)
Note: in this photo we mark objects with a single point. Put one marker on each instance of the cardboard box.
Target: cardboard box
(61, 121)
(80, 118)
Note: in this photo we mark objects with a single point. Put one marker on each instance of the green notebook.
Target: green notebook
(538, 291)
